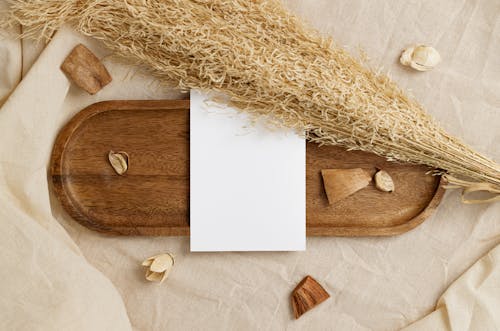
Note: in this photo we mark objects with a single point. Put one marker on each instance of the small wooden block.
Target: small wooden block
(85, 69)
(307, 295)
(340, 183)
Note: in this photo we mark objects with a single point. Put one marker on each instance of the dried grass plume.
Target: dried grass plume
(269, 64)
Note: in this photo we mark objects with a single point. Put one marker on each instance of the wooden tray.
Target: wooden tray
(152, 198)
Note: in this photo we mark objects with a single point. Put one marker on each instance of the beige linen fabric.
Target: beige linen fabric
(472, 302)
(11, 61)
(46, 283)
(375, 283)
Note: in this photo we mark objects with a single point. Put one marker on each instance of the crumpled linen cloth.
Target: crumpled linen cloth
(56, 274)
(470, 303)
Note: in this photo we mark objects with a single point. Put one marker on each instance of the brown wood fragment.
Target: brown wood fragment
(85, 70)
(307, 295)
(340, 183)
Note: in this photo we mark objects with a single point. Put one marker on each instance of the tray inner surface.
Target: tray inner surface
(152, 198)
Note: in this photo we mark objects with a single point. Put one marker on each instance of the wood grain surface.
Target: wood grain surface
(152, 197)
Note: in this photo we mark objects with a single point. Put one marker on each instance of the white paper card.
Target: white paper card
(247, 182)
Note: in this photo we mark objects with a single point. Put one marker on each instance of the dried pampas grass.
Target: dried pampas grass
(268, 64)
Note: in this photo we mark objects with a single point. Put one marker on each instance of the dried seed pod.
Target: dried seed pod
(119, 161)
(340, 183)
(307, 295)
(420, 57)
(383, 181)
(159, 267)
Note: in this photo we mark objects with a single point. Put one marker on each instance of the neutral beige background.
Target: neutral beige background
(375, 283)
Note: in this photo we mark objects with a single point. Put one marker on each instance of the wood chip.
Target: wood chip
(340, 183)
(307, 295)
(85, 70)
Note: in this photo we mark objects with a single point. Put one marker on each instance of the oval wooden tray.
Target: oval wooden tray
(152, 197)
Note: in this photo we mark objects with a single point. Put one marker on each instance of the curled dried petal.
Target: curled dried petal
(119, 161)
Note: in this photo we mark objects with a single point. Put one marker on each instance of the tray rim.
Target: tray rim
(64, 197)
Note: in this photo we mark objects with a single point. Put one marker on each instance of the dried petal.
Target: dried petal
(420, 57)
(158, 267)
(165, 275)
(154, 276)
(119, 161)
(162, 263)
(383, 181)
(147, 262)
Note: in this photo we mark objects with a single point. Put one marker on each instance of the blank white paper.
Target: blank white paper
(247, 182)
